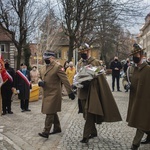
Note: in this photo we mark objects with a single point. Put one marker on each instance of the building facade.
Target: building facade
(7, 47)
(144, 37)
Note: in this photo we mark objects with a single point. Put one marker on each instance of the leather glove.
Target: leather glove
(41, 83)
(71, 96)
(127, 87)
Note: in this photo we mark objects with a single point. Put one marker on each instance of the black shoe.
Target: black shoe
(55, 132)
(84, 140)
(134, 147)
(22, 110)
(45, 135)
(10, 112)
(119, 91)
(27, 110)
(146, 141)
(4, 113)
(92, 136)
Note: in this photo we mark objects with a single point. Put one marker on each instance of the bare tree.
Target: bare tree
(78, 21)
(19, 19)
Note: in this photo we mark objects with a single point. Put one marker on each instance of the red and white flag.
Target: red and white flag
(3, 73)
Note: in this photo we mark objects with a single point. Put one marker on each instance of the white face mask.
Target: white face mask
(34, 69)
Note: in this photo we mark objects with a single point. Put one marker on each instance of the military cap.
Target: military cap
(84, 47)
(47, 54)
(136, 48)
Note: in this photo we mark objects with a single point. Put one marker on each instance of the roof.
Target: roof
(4, 36)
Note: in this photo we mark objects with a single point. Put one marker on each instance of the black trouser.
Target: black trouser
(24, 104)
(117, 77)
(6, 93)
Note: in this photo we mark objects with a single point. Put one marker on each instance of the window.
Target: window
(2, 48)
(59, 54)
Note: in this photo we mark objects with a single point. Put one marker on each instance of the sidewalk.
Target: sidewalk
(20, 130)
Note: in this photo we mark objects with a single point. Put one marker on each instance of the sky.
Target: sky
(135, 29)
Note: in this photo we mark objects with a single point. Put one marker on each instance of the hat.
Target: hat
(83, 47)
(136, 48)
(22, 64)
(48, 54)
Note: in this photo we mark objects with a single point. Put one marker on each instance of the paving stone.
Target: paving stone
(21, 129)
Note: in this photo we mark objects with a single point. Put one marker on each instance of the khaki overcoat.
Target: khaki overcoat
(138, 115)
(53, 76)
(101, 102)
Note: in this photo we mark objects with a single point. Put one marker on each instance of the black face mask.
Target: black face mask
(136, 59)
(84, 56)
(47, 61)
(6, 65)
(116, 59)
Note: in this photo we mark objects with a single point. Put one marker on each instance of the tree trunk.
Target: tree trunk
(18, 59)
(71, 47)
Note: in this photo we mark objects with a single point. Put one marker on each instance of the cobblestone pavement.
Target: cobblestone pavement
(19, 131)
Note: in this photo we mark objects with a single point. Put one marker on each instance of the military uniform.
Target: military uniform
(138, 109)
(93, 110)
(53, 75)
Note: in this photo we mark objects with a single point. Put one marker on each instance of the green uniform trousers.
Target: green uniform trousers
(89, 127)
(138, 137)
(49, 120)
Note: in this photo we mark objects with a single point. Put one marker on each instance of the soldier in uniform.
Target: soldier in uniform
(52, 75)
(7, 89)
(137, 79)
(93, 95)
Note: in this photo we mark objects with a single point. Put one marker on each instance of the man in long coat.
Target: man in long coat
(139, 99)
(96, 99)
(52, 76)
(9, 87)
(23, 86)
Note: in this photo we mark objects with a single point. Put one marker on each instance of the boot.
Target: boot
(45, 135)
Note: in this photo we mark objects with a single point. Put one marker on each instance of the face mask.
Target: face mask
(136, 59)
(84, 56)
(34, 69)
(116, 59)
(24, 69)
(47, 61)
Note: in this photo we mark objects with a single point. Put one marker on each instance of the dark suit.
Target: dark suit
(6, 91)
(24, 89)
(115, 73)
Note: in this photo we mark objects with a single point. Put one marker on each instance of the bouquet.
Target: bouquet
(86, 74)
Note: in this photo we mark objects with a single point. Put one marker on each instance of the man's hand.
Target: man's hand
(71, 96)
(41, 83)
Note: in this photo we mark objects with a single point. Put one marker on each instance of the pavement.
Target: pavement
(19, 131)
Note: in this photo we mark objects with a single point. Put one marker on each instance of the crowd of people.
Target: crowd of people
(95, 98)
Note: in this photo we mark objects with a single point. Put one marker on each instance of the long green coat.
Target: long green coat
(101, 102)
(53, 76)
(138, 115)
